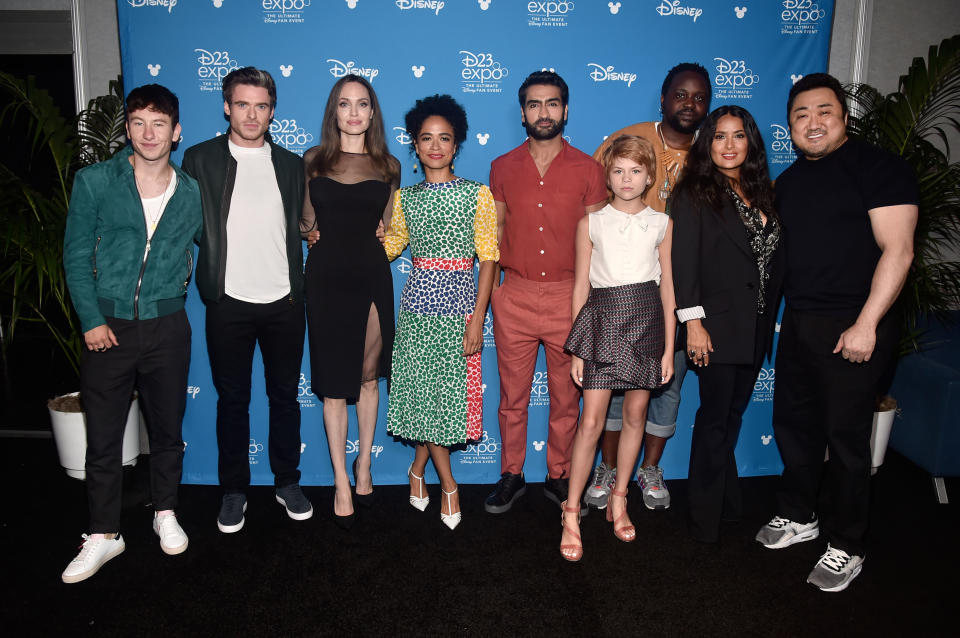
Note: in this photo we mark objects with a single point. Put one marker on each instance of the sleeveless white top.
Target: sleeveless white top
(625, 246)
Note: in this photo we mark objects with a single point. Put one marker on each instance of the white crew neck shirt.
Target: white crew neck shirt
(257, 270)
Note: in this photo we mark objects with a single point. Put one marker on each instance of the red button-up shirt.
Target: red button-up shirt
(540, 227)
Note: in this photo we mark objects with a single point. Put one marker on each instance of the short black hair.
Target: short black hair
(154, 97)
(253, 77)
(442, 105)
(684, 67)
(817, 81)
(544, 77)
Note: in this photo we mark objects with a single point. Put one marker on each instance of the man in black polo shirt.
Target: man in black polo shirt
(849, 211)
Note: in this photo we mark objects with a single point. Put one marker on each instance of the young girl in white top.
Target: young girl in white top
(623, 330)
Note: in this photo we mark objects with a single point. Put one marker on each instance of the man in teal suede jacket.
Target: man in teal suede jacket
(128, 256)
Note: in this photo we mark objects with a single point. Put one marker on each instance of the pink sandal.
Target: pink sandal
(627, 533)
(571, 552)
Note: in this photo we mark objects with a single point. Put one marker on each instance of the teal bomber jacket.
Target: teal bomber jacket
(105, 241)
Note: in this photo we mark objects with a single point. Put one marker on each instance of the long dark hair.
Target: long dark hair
(705, 185)
(375, 138)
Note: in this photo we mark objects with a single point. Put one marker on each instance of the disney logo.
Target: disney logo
(674, 9)
(433, 5)
(403, 265)
(340, 69)
(607, 73)
(169, 4)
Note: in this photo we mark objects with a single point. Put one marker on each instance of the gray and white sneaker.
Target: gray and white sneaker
(782, 532)
(656, 496)
(599, 490)
(835, 570)
(232, 507)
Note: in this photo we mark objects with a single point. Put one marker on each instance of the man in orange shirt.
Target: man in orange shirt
(541, 189)
(685, 102)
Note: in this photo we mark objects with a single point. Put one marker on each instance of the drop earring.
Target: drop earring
(452, 167)
(414, 167)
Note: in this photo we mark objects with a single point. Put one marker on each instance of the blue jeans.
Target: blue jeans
(664, 404)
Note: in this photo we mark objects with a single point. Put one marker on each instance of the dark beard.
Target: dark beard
(677, 125)
(544, 134)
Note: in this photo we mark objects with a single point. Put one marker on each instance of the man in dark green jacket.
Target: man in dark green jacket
(128, 255)
(250, 276)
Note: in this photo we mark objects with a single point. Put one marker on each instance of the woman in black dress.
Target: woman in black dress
(351, 178)
(727, 270)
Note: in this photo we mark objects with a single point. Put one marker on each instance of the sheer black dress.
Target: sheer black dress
(349, 287)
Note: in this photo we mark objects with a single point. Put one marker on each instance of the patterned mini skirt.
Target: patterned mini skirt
(619, 336)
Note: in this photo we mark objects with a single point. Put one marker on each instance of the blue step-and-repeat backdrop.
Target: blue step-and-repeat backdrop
(613, 55)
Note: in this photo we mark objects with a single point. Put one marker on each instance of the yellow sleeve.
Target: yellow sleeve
(485, 227)
(397, 236)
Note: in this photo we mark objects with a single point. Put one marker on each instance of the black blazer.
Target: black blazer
(714, 267)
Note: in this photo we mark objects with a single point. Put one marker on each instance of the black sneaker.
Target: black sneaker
(509, 488)
(232, 507)
(557, 489)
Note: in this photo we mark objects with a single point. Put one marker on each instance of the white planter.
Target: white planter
(70, 434)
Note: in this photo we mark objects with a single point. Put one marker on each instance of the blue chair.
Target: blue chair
(927, 390)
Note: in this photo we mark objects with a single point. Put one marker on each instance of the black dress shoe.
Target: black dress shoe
(557, 490)
(509, 488)
(364, 500)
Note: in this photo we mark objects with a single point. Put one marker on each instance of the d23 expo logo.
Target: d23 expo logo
(305, 395)
(212, 67)
(734, 79)
(401, 136)
(781, 145)
(763, 388)
(801, 17)
(539, 390)
(484, 451)
(288, 134)
(488, 341)
(481, 73)
(284, 11)
(548, 14)
(256, 449)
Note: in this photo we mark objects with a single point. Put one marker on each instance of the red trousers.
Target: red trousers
(525, 314)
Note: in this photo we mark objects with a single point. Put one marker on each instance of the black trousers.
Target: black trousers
(713, 488)
(153, 357)
(234, 328)
(822, 401)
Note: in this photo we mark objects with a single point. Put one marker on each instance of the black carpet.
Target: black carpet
(401, 572)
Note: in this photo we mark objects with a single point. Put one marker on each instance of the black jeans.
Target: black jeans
(233, 329)
(153, 357)
(822, 401)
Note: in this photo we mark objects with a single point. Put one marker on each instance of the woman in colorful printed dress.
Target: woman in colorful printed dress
(435, 391)
(623, 329)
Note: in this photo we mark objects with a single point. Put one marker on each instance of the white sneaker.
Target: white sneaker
(93, 554)
(173, 540)
(782, 532)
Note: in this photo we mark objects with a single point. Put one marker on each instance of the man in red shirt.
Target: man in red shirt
(541, 189)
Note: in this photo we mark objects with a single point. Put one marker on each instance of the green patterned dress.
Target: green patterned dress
(436, 392)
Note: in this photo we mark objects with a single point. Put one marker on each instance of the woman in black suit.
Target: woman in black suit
(727, 266)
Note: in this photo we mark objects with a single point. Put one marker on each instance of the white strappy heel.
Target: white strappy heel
(419, 502)
(450, 520)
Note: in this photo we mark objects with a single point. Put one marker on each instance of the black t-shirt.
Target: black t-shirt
(830, 249)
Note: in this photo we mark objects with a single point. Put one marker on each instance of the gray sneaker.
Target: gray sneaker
(782, 532)
(599, 490)
(656, 496)
(232, 507)
(835, 570)
(292, 498)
